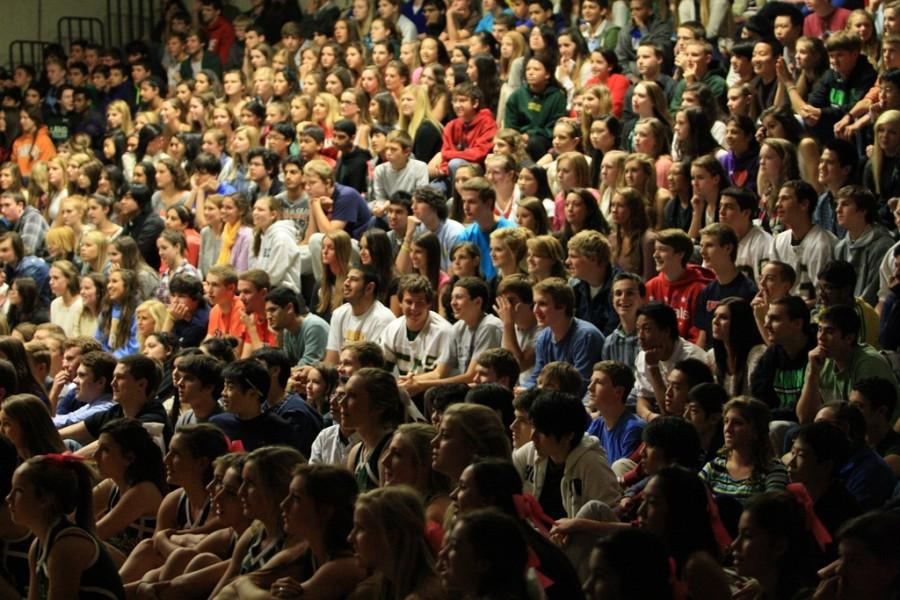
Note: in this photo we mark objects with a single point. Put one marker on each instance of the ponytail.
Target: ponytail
(67, 482)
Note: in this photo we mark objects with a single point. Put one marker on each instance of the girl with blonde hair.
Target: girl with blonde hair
(654, 138)
(150, 316)
(244, 139)
(862, 23)
(224, 119)
(237, 236)
(573, 171)
(325, 112)
(417, 120)
(409, 56)
(92, 251)
(612, 170)
(389, 539)
(71, 213)
(596, 102)
(501, 171)
(512, 51)
(57, 187)
(337, 251)
(879, 174)
(60, 243)
(118, 116)
(408, 463)
(508, 247)
(466, 432)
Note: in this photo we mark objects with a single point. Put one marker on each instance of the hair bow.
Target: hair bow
(813, 524)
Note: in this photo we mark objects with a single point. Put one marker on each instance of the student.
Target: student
(140, 222)
(188, 315)
(804, 246)
(294, 203)
(227, 309)
(696, 67)
(837, 362)
(496, 365)
(866, 242)
(876, 399)
(198, 58)
(19, 264)
(781, 370)
(401, 171)
(301, 334)
(736, 209)
(474, 331)
(661, 349)
(65, 557)
(565, 337)
(263, 173)
(513, 305)
(25, 220)
(592, 273)
(430, 348)
(93, 388)
(628, 295)
(252, 287)
(135, 381)
(302, 417)
(478, 198)
(429, 207)
(534, 108)
(678, 284)
(247, 386)
(275, 248)
(362, 317)
(618, 429)
(352, 167)
(836, 282)
(718, 247)
(562, 452)
(644, 26)
(837, 166)
(469, 137)
(199, 386)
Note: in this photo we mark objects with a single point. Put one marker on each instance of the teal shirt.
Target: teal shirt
(307, 346)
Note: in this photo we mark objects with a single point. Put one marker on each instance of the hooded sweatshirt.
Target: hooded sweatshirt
(279, 255)
(587, 475)
(866, 254)
(681, 295)
(28, 149)
(470, 141)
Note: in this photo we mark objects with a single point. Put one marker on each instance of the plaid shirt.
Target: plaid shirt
(621, 347)
(32, 227)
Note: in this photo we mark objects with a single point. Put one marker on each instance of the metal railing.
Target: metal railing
(27, 52)
(90, 29)
(130, 19)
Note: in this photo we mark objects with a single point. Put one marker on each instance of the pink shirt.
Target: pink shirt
(816, 26)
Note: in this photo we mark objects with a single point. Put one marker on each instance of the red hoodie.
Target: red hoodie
(470, 141)
(682, 296)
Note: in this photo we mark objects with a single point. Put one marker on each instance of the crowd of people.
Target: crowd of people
(481, 300)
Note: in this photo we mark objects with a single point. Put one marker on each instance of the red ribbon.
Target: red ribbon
(528, 508)
(68, 457)
(235, 446)
(723, 538)
(813, 524)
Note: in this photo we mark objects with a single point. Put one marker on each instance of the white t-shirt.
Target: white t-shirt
(808, 257)
(526, 339)
(683, 349)
(367, 327)
(432, 346)
(65, 316)
(755, 249)
(885, 271)
(469, 344)
(329, 449)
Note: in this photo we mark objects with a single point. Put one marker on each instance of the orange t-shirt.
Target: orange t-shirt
(266, 335)
(221, 324)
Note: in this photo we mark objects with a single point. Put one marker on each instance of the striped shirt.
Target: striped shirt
(721, 483)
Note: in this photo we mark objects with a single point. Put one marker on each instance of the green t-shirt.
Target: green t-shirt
(866, 362)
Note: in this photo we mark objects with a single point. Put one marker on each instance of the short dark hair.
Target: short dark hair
(677, 438)
(269, 158)
(187, 284)
(695, 370)
(402, 198)
(369, 354)
(827, 441)
(863, 198)
(248, 374)
(282, 296)
(880, 392)
(275, 357)
(663, 315)
(285, 129)
(637, 279)
(206, 369)
(787, 271)
(439, 398)
(433, 198)
(843, 317)
(502, 362)
(208, 163)
(710, 396)
(101, 364)
(804, 192)
(559, 291)
(477, 289)
(495, 396)
(557, 414)
(839, 273)
(746, 199)
(142, 367)
(471, 91)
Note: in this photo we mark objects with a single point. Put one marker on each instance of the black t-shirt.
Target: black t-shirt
(152, 412)
(267, 429)
(551, 493)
